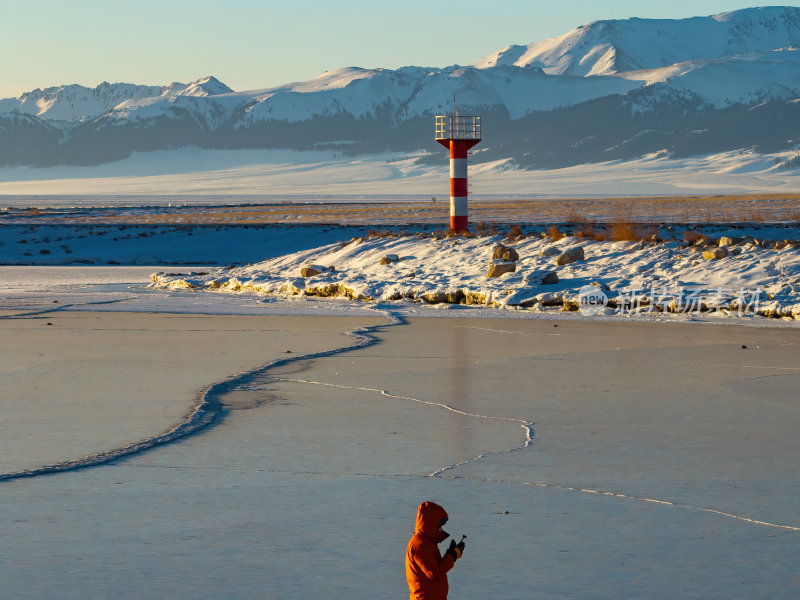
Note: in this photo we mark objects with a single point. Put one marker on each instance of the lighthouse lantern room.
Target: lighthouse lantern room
(458, 133)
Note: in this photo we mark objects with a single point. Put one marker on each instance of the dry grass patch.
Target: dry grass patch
(453, 233)
(792, 215)
(576, 218)
(374, 234)
(756, 208)
(623, 231)
(483, 229)
(514, 233)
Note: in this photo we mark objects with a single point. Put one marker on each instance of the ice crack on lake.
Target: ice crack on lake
(630, 497)
(526, 425)
(529, 436)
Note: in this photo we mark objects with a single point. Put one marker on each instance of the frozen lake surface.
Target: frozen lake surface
(583, 459)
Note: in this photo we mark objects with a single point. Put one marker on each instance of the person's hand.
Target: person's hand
(455, 550)
(461, 545)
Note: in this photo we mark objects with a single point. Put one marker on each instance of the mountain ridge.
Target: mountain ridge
(610, 77)
(615, 46)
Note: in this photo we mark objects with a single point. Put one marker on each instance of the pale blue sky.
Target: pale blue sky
(251, 44)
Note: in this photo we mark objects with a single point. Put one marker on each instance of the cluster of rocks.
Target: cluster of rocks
(716, 249)
(504, 261)
(711, 249)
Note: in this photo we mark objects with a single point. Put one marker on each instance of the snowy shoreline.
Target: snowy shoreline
(722, 277)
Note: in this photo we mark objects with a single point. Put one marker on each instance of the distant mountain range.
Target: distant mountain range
(609, 90)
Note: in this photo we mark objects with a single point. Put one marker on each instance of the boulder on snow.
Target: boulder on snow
(548, 252)
(505, 253)
(551, 298)
(500, 267)
(312, 270)
(716, 253)
(541, 277)
(727, 240)
(389, 259)
(550, 278)
(570, 256)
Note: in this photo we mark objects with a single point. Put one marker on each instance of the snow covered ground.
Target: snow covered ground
(154, 245)
(722, 277)
(286, 173)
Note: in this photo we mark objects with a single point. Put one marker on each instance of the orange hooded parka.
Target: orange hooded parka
(426, 570)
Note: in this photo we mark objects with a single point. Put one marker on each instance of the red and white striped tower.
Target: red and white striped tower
(458, 133)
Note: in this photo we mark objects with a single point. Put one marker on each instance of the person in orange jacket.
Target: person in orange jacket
(426, 569)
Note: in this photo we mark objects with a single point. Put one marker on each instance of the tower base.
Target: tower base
(459, 223)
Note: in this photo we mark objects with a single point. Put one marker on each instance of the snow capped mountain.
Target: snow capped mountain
(609, 89)
(206, 86)
(77, 103)
(415, 92)
(606, 47)
(720, 82)
(353, 91)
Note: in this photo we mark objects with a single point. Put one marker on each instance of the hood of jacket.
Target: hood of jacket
(429, 515)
